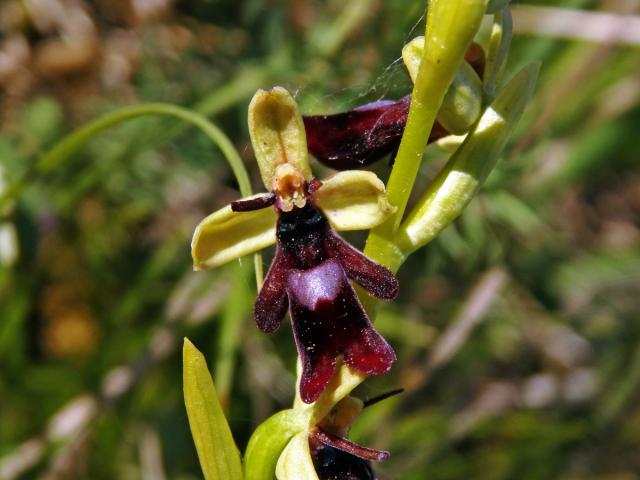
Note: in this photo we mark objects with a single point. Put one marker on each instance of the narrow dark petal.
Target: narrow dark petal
(329, 321)
(257, 203)
(349, 447)
(272, 303)
(373, 277)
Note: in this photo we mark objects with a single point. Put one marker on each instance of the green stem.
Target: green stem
(451, 25)
(457, 183)
(79, 137)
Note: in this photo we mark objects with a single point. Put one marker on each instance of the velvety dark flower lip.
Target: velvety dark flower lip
(310, 276)
(361, 136)
(334, 456)
(333, 464)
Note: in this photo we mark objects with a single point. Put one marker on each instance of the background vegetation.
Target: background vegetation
(517, 330)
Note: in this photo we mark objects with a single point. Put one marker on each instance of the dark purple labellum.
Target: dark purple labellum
(310, 275)
(334, 464)
(360, 137)
(329, 321)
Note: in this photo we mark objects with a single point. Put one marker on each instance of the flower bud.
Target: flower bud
(462, 103)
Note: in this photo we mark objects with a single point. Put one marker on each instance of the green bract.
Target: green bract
(451, 26)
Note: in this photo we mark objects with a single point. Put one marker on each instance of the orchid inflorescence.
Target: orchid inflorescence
(455, 69)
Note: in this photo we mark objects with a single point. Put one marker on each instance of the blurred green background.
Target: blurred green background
(517, 330)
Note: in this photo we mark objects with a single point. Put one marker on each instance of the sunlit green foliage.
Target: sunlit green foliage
(517, 329)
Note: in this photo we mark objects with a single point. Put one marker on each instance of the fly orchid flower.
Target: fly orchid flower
(312, 266)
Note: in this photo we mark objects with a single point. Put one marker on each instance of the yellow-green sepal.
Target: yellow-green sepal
(457, 183)
(217, 452)
(354, 200)
(462, 104)
(269, 441)
(226, 235)
(296, 463)
(277, 133)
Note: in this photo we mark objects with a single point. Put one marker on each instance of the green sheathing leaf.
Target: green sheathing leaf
(219, 457)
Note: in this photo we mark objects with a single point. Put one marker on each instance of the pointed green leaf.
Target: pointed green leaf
(219, 457)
